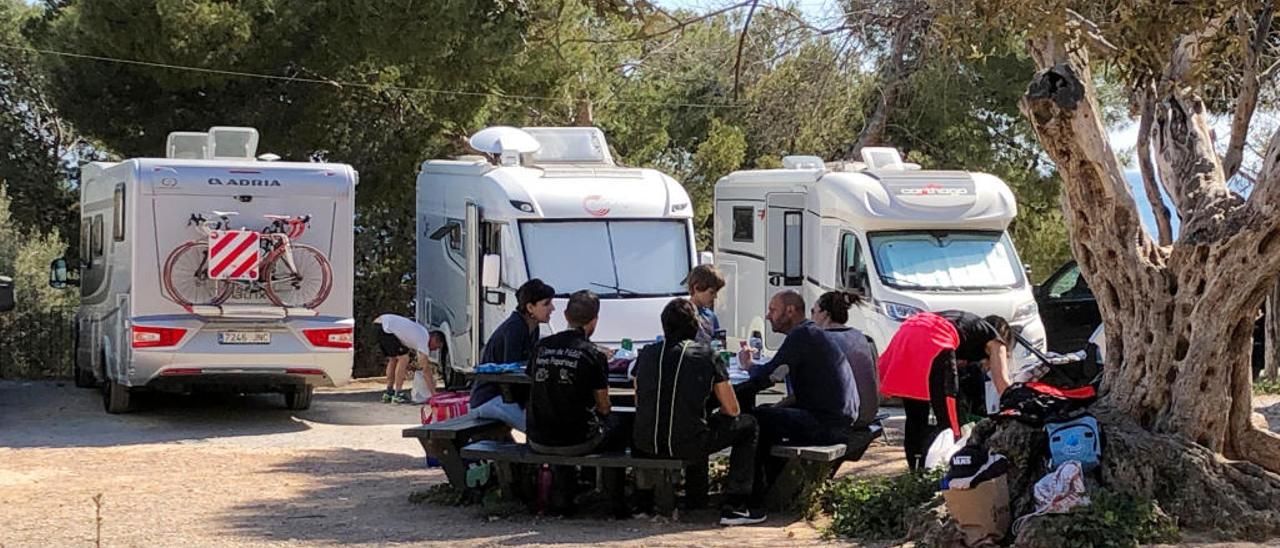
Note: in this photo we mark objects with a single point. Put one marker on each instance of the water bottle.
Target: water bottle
(756, 342)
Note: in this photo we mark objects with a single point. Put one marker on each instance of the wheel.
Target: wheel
(186, 277)
(116, 397)
(83, 376)
(299, 398)
(305, 287)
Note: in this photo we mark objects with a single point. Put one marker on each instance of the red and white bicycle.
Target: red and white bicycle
(206, 271)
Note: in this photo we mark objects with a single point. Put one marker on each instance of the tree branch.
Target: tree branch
(677, 25)
(1164, 226)
(1247, 99)
(742, 43)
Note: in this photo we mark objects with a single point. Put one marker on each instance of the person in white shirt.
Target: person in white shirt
(397, 337)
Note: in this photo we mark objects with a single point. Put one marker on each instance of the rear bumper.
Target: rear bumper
(201, 359)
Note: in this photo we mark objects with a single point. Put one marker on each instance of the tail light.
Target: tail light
(145, 336)
(333, 337)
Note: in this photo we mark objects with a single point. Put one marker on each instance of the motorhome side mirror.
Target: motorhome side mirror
(706, 257)
(492, 270)
(6, 294)
(58, 278)
(495, 298)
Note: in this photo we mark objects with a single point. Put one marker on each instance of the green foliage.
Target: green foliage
(877, 508)
(1111, 519)
(1268, 387)
(37, 331)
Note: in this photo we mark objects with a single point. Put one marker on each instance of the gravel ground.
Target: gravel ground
(228, 470)
(241, 470)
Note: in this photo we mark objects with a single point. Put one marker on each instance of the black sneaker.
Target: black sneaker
(741, 516)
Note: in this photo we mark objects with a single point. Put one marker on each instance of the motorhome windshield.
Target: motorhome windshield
(946, 260)
(615, 259)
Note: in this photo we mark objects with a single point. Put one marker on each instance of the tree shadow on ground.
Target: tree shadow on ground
(354, 485)
(56, 414)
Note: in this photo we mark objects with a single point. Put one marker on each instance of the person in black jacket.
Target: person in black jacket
(675, 378)
(511, 342)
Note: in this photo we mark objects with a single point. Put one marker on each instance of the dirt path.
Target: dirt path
(220, 471)
(223, 471)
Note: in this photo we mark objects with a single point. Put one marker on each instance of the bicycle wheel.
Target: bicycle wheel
(186, 277)
(306, 286)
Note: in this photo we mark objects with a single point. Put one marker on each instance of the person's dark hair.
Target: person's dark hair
(1002, 327)
(583, 307)
(704, 277)
(679, 320)
(437, 336)
(837, 303)
(531, 292)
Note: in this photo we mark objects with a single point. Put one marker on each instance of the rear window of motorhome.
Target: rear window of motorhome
(744, 226)
(946, 260)
(117, 210)
(616, 259)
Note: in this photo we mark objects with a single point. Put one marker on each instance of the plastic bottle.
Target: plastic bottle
(756, 342)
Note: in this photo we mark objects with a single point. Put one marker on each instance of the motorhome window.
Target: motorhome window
(946, 260)
(616, 259)
(792, 247)
(744, 224)
(96, 237)
(117, 210)
(86, 249)
(853, 267)
(455, 235)
(492, 242)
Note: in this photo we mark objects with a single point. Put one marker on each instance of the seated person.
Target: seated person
(824, 408)
(569, 399)
(705, 281)
(831, 312)
(512, 341)
(675, 378)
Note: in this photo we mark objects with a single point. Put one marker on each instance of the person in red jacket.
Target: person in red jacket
(935, 363)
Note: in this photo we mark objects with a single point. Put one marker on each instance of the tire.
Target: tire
(299, 398)
(186, 277)
(116, 398)
(308, 287)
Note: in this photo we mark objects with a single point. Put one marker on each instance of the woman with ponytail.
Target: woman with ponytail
(831, 313)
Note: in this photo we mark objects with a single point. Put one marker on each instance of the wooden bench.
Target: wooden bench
(809, 465)
(660, 473)
(444, 441)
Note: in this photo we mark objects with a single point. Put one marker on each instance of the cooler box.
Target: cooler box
(444, 406)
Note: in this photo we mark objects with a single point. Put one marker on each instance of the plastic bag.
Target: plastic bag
(944, 446)
(420, 393)
(1058, 492)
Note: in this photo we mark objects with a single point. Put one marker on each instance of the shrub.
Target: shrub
(1111, 519)
(877, 508)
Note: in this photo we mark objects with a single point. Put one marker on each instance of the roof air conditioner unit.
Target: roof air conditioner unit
(802, 162)
(187, 145)
(233, 143)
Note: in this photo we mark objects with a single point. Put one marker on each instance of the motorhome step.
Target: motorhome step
(444, 441)
(659, 474)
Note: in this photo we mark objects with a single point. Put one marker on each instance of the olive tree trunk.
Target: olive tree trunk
(1179, 319)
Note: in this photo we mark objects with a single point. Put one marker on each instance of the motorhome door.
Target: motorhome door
(784, 248)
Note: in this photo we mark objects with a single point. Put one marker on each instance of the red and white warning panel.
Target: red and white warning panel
(234, 254)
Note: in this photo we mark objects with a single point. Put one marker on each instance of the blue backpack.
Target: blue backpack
(1078, 439)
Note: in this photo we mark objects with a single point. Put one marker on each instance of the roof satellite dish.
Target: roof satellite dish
(506, 142)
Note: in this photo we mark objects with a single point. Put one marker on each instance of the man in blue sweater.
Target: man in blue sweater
(823, 407)
(513, 341)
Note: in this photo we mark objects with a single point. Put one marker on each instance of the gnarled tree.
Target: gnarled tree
(1177, 394)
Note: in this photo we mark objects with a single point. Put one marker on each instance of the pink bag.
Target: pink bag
(444, 406)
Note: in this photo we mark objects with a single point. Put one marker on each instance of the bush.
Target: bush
(1111, 519)
(877, 508)
(1269, 387)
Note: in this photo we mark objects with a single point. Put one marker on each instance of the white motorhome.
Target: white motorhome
(547, 203)
(907, 240)
(132, 334)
